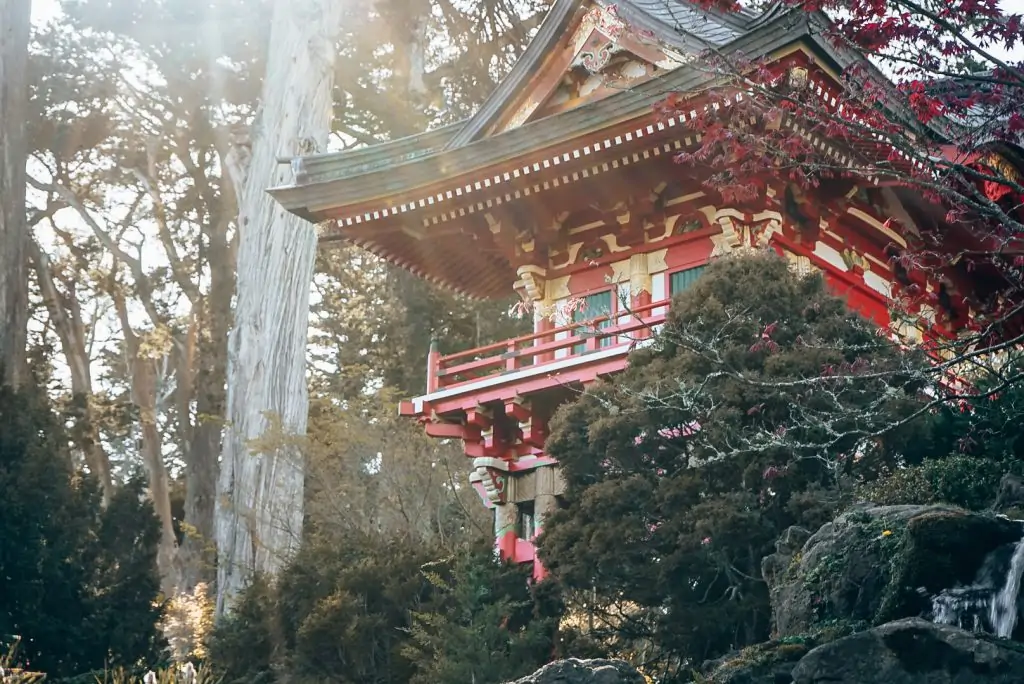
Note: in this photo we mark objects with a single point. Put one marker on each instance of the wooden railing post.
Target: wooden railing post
(543, 325)
(433, 366)
(511, 358)
(590, 341)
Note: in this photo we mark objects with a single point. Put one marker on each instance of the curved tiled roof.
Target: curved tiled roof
(337, 181)
(676, 23)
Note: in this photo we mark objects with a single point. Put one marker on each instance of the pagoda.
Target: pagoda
(563, 188)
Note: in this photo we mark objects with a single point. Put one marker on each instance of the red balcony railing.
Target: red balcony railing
(578, 339)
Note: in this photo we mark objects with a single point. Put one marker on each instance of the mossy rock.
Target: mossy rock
(772, 661)
(941, 549)
(912, 651)
(759, 664)
(880, 563)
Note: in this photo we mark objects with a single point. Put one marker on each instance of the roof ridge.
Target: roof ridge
(557, 19)
(676, 19)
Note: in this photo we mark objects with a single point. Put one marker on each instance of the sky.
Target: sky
(42, 10)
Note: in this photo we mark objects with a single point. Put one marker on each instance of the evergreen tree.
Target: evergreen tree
(78, 583)
(756, 405)
(482, 624)
(241, 646)
(338, 612)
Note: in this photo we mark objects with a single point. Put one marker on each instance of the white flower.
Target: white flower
(150, 678)
(188, 673)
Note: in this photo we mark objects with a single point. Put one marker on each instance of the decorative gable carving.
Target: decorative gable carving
(602, 55)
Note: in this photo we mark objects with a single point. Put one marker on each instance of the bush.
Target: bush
(965, 481)
(483, 622)
(80, 581)
(746, 416)
(377, 611)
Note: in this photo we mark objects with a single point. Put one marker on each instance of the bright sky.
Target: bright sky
(42, 10)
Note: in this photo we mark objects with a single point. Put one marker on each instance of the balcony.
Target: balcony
(514, 369)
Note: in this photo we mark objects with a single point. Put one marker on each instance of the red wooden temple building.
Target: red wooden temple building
(563, 188)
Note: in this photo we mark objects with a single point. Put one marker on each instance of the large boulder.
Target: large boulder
(875, 563)
(913, 651)
(573, 671)
(1010, 499)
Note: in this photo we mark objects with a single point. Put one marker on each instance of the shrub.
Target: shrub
(80, 582)
(960, 480)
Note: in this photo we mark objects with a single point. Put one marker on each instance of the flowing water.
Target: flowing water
(1003, 612)
(991, 603)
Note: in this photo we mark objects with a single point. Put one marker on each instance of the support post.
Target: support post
(545, 502)
(433, 366)
(505, 530)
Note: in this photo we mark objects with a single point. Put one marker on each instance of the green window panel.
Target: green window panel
(682, 280)
(597, 304)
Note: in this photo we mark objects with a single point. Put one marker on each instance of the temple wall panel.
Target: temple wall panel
(589, 280)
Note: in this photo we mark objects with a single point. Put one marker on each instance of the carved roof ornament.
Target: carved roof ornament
(797, 78)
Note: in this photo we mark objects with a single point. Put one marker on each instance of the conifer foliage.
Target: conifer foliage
(369, 610)
(79, 582)
(759, 402)
(482, 624)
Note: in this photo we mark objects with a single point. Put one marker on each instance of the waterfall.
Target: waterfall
(1004, 607)
(990, 603)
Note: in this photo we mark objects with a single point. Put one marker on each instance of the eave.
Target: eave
(385, 187)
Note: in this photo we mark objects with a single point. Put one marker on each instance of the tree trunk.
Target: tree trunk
(14, 35)
(66, 319)
(142, 369)
(197, 552)
(260, 491)
(144, 390)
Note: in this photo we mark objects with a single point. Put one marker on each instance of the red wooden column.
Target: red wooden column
(638, 300)
(543, 323)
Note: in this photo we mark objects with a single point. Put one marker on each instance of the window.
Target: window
(682, 280)
(525, 520)
(594, 305)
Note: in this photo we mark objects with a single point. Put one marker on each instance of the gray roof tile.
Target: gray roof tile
(677, 23)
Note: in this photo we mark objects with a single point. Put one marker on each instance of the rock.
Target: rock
(573, 671)
(913, 651)
(786, 547)
(875, 563)
(1011, 494)
(768, 663)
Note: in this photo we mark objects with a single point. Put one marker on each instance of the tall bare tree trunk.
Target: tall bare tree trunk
(198, 557)
(260, 502)
(142, 369)
(66, 319)
(15, 18)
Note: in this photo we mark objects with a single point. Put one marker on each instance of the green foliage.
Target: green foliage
(986, 441)
(790, 391)
(760, 660)
(373, 611)
(966, 481)
(241, 646)
(481, 624)
(80, 582)
(338, 612)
